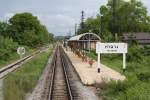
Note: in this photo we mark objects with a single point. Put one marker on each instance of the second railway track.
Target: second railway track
(11, 67)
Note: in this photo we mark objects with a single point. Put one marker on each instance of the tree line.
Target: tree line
(22, 29)
(118, 16)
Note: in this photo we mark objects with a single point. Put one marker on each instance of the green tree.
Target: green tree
(129, 16)
(93, 24)
(51, 37)
(26, 29)
(119, 17)
(4, 29)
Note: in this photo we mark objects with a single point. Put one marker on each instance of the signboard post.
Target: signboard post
(98, 62)
(21, 51)
(108, 48)
(124, 62)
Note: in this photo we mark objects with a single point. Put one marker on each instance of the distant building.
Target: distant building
(141, 38)
(66, 38)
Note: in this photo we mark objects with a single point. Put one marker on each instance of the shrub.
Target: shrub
(7, 47)
(133, 67)
(134, 54)
(139, 91)
(119, 86)
(143, 76)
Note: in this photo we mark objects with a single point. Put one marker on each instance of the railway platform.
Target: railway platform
(89, 75)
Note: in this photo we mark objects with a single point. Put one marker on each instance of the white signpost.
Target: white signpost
(108, 48)
(21, 51)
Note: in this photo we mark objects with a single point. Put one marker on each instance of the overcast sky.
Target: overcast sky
(59, 16)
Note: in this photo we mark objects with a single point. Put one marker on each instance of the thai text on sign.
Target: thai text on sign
(111, 47)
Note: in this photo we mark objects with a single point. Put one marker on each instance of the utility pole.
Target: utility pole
(82, 20)
(100, 34)
(75, 29)
(114, 17)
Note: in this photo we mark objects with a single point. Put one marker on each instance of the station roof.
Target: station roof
(85, 37)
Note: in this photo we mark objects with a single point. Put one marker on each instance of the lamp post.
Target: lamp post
(101, 22)
(89, 40)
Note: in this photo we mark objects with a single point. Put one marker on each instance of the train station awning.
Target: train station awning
(85, 37)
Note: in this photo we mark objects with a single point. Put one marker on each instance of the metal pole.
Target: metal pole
(89, 43)
(75, 29)
(100, 25)
(124, 62)
(98, 63)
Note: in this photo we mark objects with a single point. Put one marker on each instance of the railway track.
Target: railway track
(59, 88)
(9, 68)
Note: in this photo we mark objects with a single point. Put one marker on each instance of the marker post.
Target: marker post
(124, 62)
(21, 51)
(99, 63)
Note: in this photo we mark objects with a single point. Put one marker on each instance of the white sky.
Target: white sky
(59, 16)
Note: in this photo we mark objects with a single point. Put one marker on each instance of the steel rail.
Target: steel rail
(51, 86)
(66, 76)
(4, 69)
(49, 97)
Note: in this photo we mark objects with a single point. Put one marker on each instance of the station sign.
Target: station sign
(104, 48)
(111, 47)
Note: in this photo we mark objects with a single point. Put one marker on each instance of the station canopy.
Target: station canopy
(85, 37)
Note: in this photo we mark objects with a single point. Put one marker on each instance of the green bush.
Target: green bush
(119, 86)
(143, 76)
(113, 89)
(132, 67)
(139, 91)
(134, 54)
(146, 50)
(7, 47)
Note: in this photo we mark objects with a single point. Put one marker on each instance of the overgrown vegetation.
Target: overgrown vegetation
(7, 47)
(23, 29)
(136, 87)
(22, 81)
(121, 16)
(26, 29)
(118, 16)
(7, 50)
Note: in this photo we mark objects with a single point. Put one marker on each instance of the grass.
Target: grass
(137, 85)
(107, 60)
(14, 56)
(23, 80)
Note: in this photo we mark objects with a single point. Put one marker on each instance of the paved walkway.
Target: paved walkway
(89, 74)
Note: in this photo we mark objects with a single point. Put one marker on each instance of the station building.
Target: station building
(85, 41)
(140, 38)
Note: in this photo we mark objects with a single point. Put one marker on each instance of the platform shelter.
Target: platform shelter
(85, 41)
